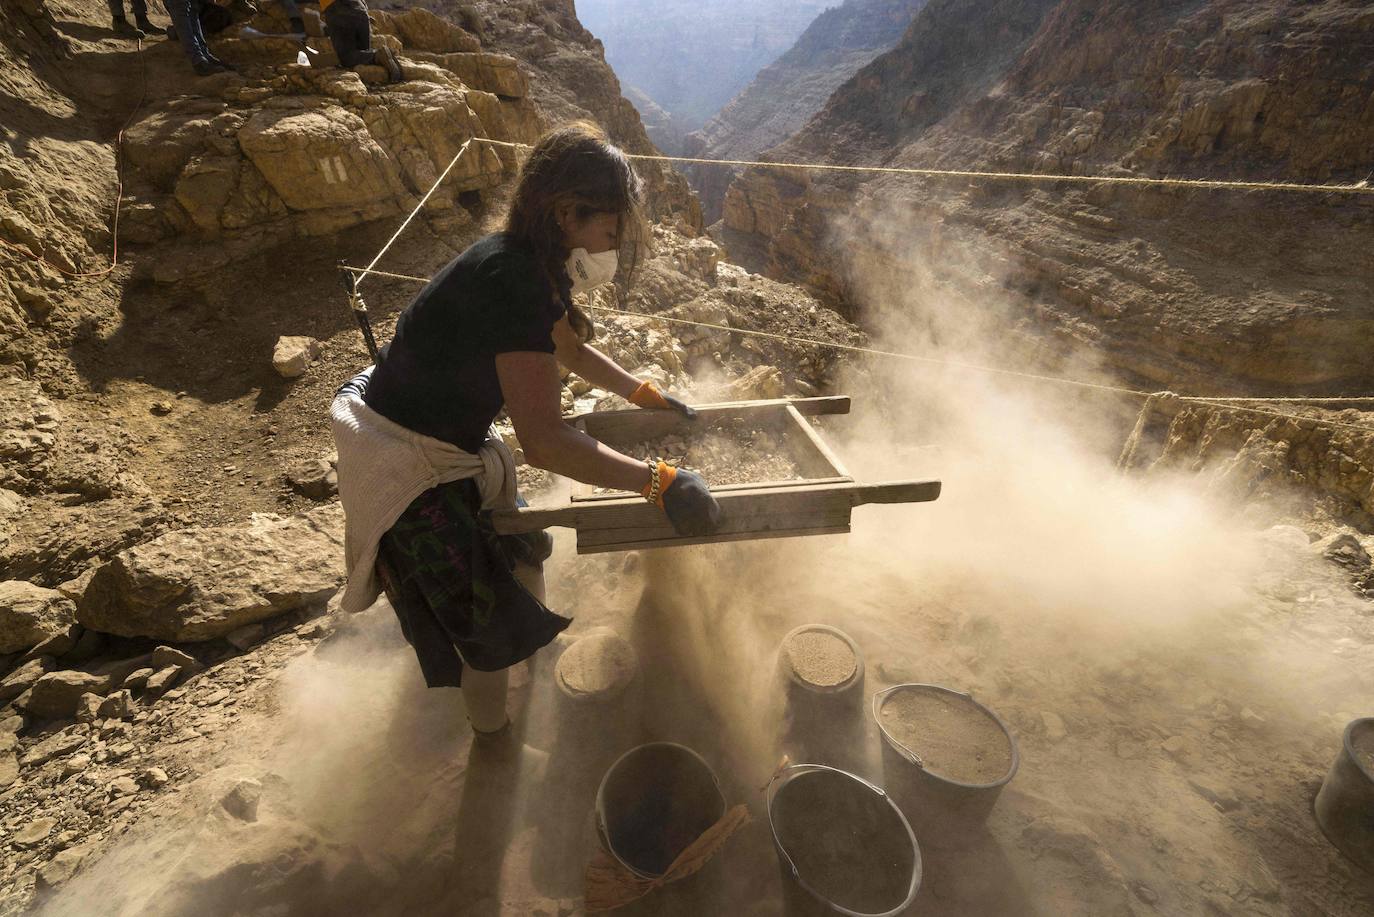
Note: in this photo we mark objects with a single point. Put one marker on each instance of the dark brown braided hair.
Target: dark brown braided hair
(576, 163)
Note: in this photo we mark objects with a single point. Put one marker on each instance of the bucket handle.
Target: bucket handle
(898, 747)
(799, 769)
(796, 770)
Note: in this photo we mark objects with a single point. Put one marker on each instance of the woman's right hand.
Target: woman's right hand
(687, 501)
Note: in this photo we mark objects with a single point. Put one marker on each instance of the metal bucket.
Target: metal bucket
(653, 802)
(1345, 803)
(842, 845)
(942, 808)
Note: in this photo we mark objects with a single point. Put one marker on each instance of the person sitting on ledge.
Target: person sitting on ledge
(350, 32)
(186, 28)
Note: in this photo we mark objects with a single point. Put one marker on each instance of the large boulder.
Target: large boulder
(201, 583)
(495, 73)
(30, 614)
(319, 159)
(424, 31)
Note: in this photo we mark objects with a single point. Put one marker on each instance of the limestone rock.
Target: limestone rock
(161, 680)
(88, 707)
(9, 768)
(201, 583)
(164, 656)
(242, 801)
(1345, 551)
(759, 382)
(59, 870)
(315, 478)
(57, 694)
(34, 833)
(30, 614)
(596, 668)
(117, 706)
(498, 74)
(24, 677)
(137, 679)
(59, 644)
(54, 746)
(424, 31)
(293, 354)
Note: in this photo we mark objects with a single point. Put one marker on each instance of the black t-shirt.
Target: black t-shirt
(437, 376)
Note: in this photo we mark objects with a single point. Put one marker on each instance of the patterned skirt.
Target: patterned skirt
(449, 577)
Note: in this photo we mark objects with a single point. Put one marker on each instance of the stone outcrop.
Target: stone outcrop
(303, 151)
(30, 614)
(1262, 460)
(787, 92)
(198, 584)
(1187, 290)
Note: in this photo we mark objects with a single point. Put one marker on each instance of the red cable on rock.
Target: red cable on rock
(119, 190)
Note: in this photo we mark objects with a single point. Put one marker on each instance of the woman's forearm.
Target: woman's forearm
(569, 452)
(603, 372)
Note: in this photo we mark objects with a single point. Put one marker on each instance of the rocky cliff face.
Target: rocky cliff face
(691, 56)
(1186, 289)
(793, 88)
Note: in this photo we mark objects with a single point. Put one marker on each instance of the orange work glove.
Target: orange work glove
(648, 396)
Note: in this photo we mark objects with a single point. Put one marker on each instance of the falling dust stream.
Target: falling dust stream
(1176, 672)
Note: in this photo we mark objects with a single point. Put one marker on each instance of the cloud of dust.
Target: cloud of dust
(1039, 557)
(1039, 554)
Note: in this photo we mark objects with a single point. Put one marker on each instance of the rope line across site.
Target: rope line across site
(358, 274)
(1041, 177)
(1234, 403)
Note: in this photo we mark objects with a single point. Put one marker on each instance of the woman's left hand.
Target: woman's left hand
(648, 396)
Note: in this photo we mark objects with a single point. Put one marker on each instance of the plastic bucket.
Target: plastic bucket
(1345, 803)
(653, 802)
(821, 671)
(942, 806)
(843, 846)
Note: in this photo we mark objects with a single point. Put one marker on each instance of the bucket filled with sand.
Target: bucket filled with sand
(842, 845)
(946, 757)
(821, 661)
(821, 672)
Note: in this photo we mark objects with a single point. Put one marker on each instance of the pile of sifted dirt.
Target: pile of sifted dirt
(726, 454)
(820, 658)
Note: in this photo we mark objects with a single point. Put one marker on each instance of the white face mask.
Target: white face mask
(591, 271)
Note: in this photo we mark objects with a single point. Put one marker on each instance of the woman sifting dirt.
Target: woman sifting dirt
(418, 462)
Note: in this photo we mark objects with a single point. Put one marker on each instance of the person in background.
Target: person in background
(350, 32)
(293, 13)
(141, 28)
(186, 28)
